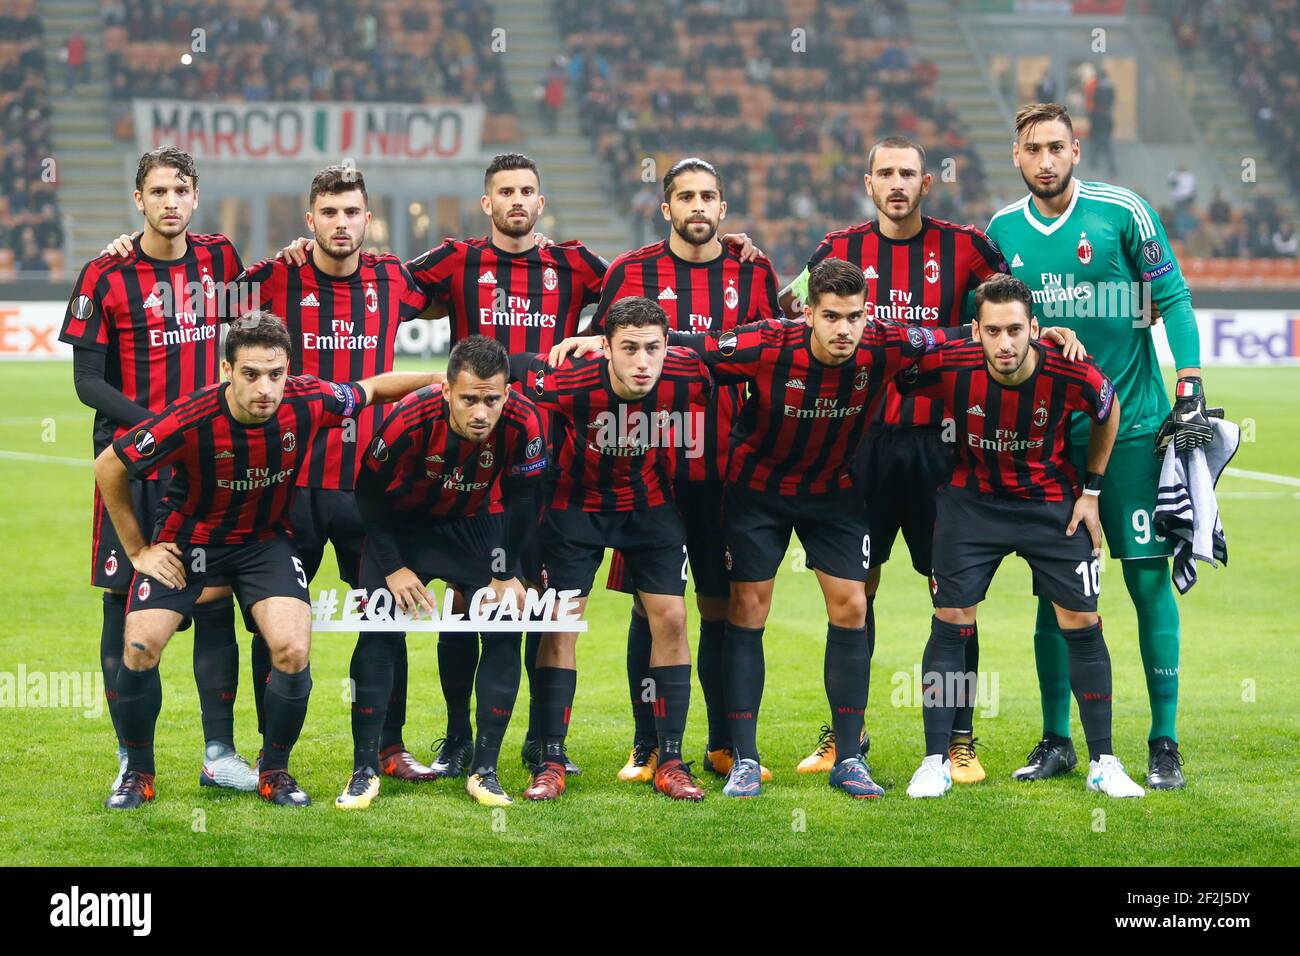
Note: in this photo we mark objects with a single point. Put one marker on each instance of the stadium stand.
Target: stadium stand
(31, 232)
(371, 51)
(1257, 45)
(733, 82)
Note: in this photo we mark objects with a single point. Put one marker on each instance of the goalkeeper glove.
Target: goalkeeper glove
(1188, 424)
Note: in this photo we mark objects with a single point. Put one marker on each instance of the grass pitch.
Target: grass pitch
(1238, 713)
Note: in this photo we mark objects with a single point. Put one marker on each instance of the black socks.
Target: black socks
(639, 643)
(216, 668)
(846, 671)
(671, 703)
(496, 688)
(1090, 681)
(457, 659)
(139, 701)
(745, 671)
(112, 641)
(286, 709)
(943, 685)
(708, 662)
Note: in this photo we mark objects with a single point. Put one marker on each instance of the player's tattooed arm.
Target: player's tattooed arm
(160, 561)
(121, 246)
(1101, 440)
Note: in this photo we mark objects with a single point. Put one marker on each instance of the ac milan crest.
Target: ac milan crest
(110, 563)
(485, 458)
(931, 269)
(288, 442)
(142, 592)
(1084, 249)
(1040, 416)
(372, 298)
(731, 298)
(549, 279)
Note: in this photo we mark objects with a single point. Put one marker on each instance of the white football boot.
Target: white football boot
(932, 779)
(224, 767)
(1107, 776)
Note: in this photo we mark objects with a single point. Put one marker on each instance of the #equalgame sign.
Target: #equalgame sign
(316, 132)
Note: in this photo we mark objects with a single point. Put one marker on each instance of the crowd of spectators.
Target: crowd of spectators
(403, 51)
(1258, 44)
(31, 231)
(784, 97)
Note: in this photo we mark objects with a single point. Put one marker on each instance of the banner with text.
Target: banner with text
(311, 132)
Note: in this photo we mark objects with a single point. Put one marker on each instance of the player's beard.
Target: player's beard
(327, 246)
(889, 211)
(170, 230)
(1009, 372)
(514, 228)
(1062, 184)
(683, 229)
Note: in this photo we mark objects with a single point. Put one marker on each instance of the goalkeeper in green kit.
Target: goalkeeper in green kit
(1091, 252)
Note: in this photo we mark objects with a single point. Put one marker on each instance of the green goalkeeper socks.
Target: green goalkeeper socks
(1052, 658)
(1158, 629)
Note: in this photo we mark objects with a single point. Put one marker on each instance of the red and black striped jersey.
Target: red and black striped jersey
(343, 328)
(616, 455)
(1011, 440)
(422, 466)
(802, 420)
(157, 321)
(699, 297)
(924, 280)
(527, 301)
(231, 482)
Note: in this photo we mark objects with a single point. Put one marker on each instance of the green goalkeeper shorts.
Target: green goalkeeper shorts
(1128, 499)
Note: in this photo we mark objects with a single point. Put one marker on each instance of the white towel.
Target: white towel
(1187, 509)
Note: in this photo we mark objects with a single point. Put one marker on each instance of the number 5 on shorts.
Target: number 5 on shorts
(302, 572)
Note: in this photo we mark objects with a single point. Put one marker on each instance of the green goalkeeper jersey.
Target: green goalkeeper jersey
(1087, 269)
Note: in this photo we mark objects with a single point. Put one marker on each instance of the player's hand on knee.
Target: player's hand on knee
(296, 252)
(575, 345)
(121, 246)
(513, 586)
(161, 562)
(409, 591)
(1070, 345)
(1087, 510)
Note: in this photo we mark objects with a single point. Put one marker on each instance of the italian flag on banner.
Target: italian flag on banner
(342, 121)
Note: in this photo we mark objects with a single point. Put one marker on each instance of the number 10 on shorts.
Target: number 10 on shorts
(1090, 572)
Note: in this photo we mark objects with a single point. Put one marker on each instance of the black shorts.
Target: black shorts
(258, 570)
(974, 532)
(831, 527)
(652, 541)
(109, 565)
(700, 505)
(317, 515)
(897, 471)
(458, 551)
